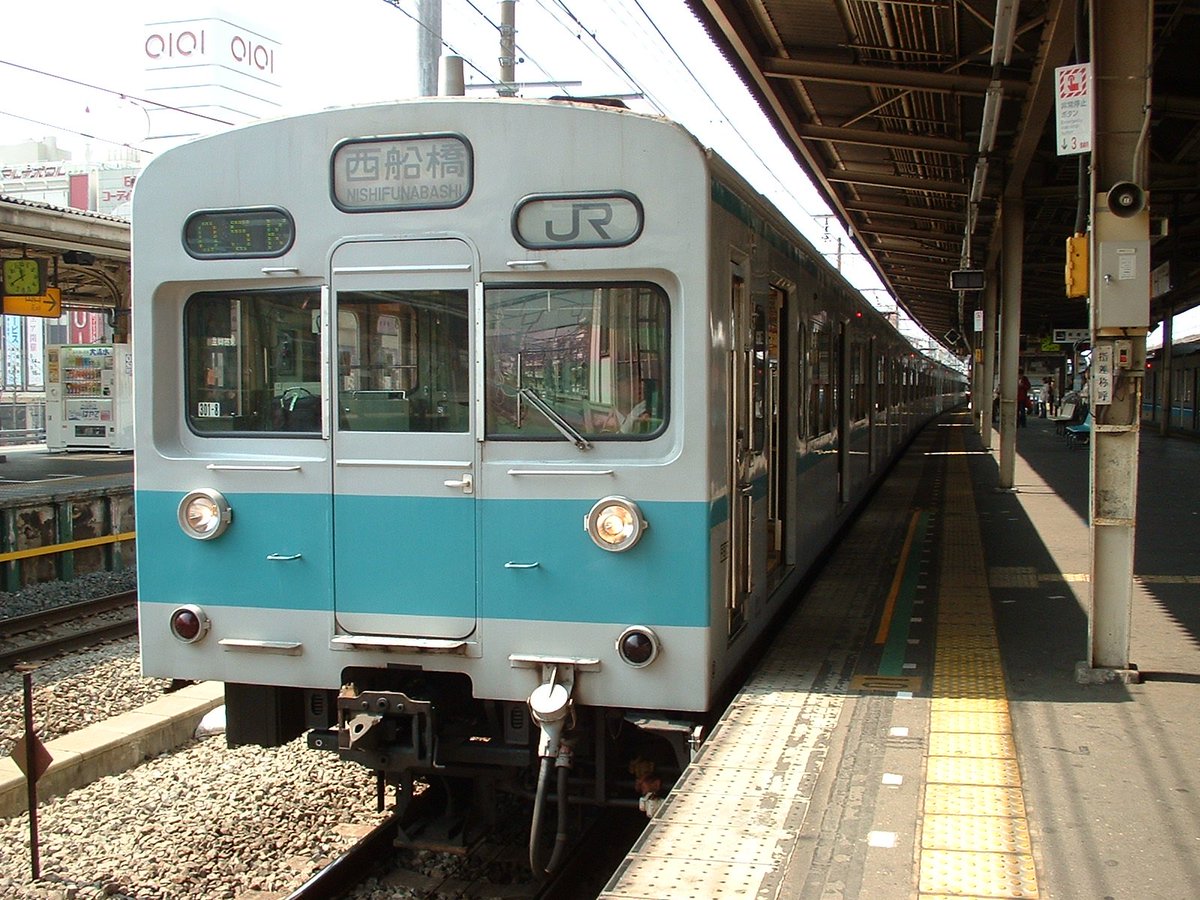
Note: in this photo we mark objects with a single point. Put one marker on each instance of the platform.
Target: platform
(63, 514)
(112, 746)
(32, 471)
(917, 729)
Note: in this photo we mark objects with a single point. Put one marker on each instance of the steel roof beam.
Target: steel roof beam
(893, 249)
(941, 237)
(923, 213)
(899, 182)
(884, 76)
(868, 138)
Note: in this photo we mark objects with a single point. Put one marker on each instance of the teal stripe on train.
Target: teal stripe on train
(661, 581)
(233, 569)
(419, 545)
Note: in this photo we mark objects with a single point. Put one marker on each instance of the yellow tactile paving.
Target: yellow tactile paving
(988, 874)
(990, 746)
(975, 704)
(974, 833)
(968, 799)
(978, 722)
(972, 770)
(966, 833)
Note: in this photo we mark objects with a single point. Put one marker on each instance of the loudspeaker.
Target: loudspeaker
(1126, 199)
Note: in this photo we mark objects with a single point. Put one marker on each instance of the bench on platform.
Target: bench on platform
(1066, 415)
(1079, 435)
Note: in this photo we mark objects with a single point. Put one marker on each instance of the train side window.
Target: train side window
(595, 354)
(252, 362)
(820, 380)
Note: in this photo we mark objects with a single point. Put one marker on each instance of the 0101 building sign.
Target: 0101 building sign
(425, 172)
(210, 42)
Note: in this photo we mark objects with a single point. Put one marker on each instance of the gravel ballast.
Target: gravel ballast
(205, 822)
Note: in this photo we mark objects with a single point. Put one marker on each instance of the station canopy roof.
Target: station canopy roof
(888, 103)
(87, 253)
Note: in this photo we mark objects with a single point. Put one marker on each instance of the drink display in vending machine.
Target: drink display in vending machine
(89, 396)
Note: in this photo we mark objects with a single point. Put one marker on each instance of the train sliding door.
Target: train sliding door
(748, 463)
(776, 402)
(403, 439)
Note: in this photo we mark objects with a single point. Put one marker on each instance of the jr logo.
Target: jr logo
(562, 221)
(596, 214)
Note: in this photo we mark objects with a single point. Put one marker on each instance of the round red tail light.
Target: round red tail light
(189, 624)
(638, 646)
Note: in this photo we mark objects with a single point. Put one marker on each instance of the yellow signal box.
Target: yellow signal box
(1077, 266)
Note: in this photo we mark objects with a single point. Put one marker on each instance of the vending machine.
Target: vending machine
(89, 396)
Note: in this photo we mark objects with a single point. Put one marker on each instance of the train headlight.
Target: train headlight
(638, 646)
(189, 623)
(615, 523)
(204, 514)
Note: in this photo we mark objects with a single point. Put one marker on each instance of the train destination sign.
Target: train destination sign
(238, 233)
(399, 173)
(578, 220)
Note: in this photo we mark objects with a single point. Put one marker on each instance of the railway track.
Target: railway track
(46, 632)
(585, 869)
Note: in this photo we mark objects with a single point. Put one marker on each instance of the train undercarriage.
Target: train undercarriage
(425, 736)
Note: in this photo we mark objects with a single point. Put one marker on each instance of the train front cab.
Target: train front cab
(424, 440)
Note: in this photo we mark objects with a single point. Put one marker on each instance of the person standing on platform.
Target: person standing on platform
(1048, 394)
(1023, 387)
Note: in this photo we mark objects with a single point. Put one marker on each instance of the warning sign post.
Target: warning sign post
(1073, 109)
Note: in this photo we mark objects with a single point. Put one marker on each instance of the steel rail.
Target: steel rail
(40, 649)
(351, 867)
(13, 625)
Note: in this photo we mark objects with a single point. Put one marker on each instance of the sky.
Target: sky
(360, 51)
(341, 52)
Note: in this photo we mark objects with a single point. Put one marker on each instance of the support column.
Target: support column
(1012, 224)
(1166, 376)
(989, 357)
(1120, 319)
(977, 381)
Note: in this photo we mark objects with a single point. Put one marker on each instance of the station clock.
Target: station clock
(24, 277)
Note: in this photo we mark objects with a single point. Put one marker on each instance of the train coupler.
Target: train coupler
(384, 730)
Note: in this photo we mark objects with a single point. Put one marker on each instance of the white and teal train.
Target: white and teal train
(472, 430)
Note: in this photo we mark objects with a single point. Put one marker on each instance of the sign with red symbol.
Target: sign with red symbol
(1073, 109)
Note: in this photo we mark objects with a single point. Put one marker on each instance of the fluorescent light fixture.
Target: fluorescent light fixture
(978, 180)
(991, 117)
(1005, 31)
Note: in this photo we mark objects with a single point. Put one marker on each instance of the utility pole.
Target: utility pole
(429, 46)
(508, 48)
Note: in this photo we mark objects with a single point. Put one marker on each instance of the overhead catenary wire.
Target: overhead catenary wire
(395, 4)
(526, 55)
(611, 57)
(83, 134)
(770, 170)
(124, 95)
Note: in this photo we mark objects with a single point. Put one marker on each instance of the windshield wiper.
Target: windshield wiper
(560, 424)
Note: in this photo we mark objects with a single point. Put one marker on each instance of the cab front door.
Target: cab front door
(404, 460)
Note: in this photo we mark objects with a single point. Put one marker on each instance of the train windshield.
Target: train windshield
(576, 360)
(403, 362)
(253, 362)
